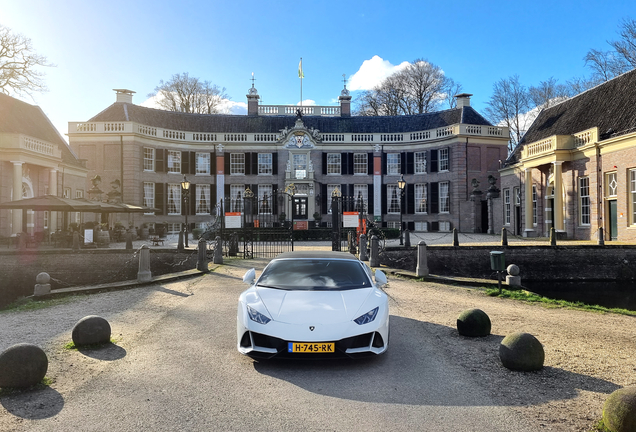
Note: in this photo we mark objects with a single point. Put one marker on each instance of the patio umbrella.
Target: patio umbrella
(52, 203)
(105, 207)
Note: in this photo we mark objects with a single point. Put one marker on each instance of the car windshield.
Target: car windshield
(314, 274)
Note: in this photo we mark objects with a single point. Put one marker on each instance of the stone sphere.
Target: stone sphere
(619, 410)
(521, 352)
(473, 323)
(42, 278)
(91, 330)
(22, 365)
(513, 270)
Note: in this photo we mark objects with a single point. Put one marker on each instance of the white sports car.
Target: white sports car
(313, 304)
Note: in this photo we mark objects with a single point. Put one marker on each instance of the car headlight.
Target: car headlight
(367, 317)
(256, 316)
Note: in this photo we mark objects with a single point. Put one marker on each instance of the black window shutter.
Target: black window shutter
(247, 168)
(254, 163)
(434, 226)
(193, 162)
(159, 198)
(410, 163)
(159, 163)
(323, 198)
(384, 205)
(352, 191)
(227, 163)
(350, 163)
(193, 198)
(324, 163)
(410, 226)
(370, 199)
(275, 163)
(227, 193)
(343, 164)
(383, 166)
(185, 162)
(370, 163)
(213, 201)
(410, 198)
(434, 198)
(255, 190)
(403, 163)
(213, 163)
(434, 161)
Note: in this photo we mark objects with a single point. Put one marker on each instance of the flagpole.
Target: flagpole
(301, 82)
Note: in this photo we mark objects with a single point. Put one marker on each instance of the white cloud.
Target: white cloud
(308, 102)
(227, 106)
(372, 72)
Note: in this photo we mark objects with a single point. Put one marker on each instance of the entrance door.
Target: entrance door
(300, 208)
(484, 216)
(613, 220)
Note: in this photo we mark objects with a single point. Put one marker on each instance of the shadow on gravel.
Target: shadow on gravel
(107, 352)
(34, 405)
(420, 368)
(169, 291)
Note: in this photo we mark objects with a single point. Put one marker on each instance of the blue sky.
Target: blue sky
(99, 46)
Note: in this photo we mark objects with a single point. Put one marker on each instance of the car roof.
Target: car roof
(317, 254)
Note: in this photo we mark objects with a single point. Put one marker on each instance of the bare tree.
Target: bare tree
(452, 88)
(418, 88)
(18, 63)
(626, 46)
(188, 94)
(508, 105)
(548, 93)
(606, 65)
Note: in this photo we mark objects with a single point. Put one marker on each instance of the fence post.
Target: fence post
(202, 262)
(129, 244)
(422, 264)
(601, 237)
(144, 274)
(504, 237)
(180, 242)
(455, 237)
(42, 285)
(407, 238)
(553, 237)
(374, 260)
(218, 251)
(364, 256)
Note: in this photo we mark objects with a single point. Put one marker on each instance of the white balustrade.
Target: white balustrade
(37, 146)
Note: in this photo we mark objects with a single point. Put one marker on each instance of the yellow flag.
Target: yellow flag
(300, 69)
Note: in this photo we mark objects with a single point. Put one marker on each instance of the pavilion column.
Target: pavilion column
(16, 215)
(529, 213)
(558, 196)
(53, 191)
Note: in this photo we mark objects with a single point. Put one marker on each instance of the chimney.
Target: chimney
(124, 95)
(252, 99)
(463, 100)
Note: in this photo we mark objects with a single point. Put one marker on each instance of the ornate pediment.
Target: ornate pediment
(299, 137)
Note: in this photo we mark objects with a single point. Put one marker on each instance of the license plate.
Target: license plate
(303, 347)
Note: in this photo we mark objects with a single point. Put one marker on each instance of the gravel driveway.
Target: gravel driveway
(588, 355)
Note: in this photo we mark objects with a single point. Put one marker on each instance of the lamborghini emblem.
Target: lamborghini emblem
(311, 328)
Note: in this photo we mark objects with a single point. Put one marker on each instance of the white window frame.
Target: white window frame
(149, 159)
(421, 197)
(507, 209)
(632, 189)
(360, 163)
(534, 206)
(265, 204)
(174, 199)
(612, 189)
(174, 161)
(237, 163)
(149, 195)
(67, 193)
(420, 162)
(334, 163)
(265, 164)
(203, 199)
(45, 220)
(393, 204)
(444, 162)
(444, 197)
(299, 165)
(585, 207)
(393, 163)
(361, 189)
(237, 190)
(202, 161)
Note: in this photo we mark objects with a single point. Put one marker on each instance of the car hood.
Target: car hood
(302, 307)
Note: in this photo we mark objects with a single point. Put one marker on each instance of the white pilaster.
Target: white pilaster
(558, 196)
(16, 217)
(529, 226)
(53, 191)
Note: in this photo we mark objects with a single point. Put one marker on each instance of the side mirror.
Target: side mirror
(380, 278)
(249, 276)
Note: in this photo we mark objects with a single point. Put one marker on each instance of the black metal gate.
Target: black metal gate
(255, 226)
(347, 238)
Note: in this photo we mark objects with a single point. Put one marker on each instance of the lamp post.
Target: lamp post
(336, 197)
(401, 186)
(185, 188)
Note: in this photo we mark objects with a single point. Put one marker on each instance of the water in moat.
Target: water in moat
(611, 294)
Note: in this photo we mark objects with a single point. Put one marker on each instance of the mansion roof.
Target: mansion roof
(610, 106)
(120, 111)
(17, 117)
